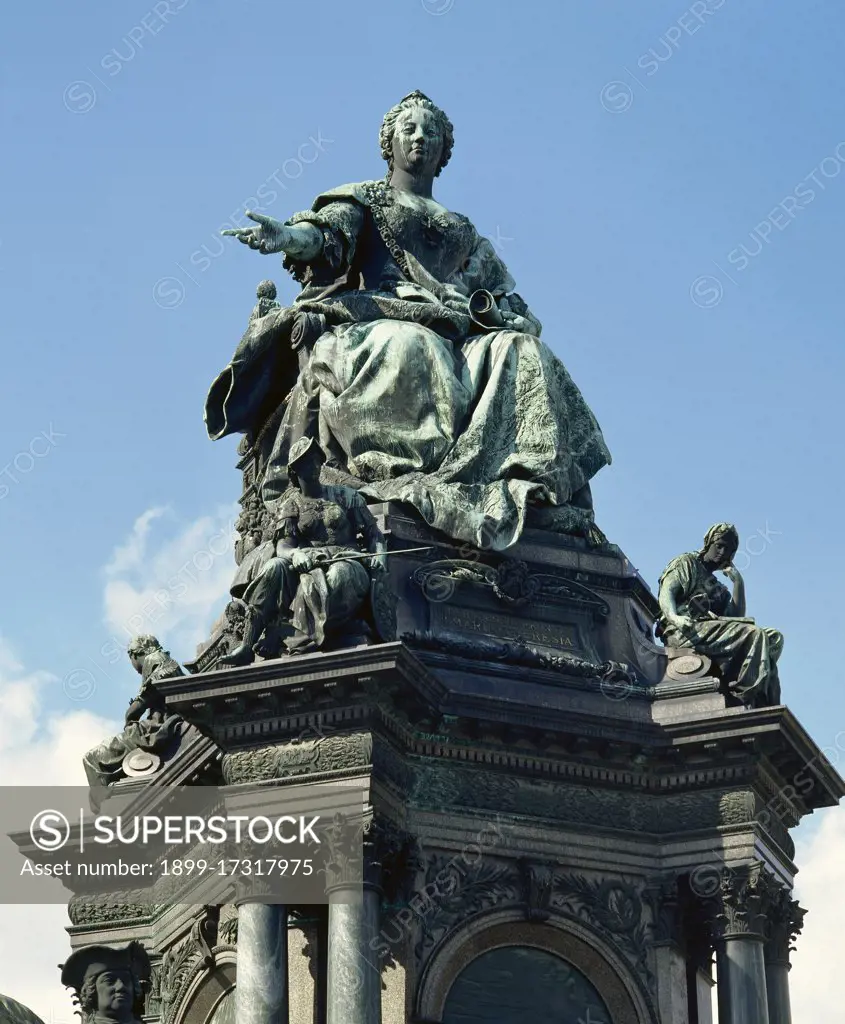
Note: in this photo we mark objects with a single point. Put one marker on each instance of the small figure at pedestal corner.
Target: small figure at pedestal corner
(109, 982)
(150, 736)
(698, 612)
(266, 295)
(310, 579)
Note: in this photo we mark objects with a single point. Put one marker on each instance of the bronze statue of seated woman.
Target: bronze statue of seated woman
(417, 393)
(699, 612)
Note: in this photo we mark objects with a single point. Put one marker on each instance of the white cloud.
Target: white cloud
(171, 578)
(33, 942)
(817, 981)
(168, 578)
(131, 552)
(39, 748)
(36, 748)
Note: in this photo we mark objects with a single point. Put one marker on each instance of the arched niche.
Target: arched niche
(512, 984)
(558, 949)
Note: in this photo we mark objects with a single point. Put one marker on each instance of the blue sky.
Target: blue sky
(664, 181)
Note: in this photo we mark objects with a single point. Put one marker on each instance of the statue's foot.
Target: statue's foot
(242, 655)
(301, 644)
(270, 645)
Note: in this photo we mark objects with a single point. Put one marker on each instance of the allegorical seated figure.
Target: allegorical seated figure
(410, 358)
(698, 611)
(109, 982)
(153, 733)
(311, 574)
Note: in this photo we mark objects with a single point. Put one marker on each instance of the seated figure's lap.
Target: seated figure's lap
(357, 353)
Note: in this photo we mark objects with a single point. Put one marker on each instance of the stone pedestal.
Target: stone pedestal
(262, 986)
(552, 799)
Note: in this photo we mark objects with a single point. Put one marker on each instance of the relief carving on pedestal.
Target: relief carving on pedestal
(455, 889)
(299, 757)
(115, 907)
(512, 581)
(612, 907)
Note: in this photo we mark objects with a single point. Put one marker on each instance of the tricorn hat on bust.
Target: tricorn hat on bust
(89, 961)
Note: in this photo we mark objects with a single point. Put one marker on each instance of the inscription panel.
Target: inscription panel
(507, 627)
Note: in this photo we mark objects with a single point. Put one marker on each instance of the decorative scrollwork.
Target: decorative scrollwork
(613, 907)
(512, 581)
(182, 963)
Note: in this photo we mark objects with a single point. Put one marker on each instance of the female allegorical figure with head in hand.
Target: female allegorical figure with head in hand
(699, 612)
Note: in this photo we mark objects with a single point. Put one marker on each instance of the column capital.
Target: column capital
(342, 849)
(373, 852)
(390, 854)
(743, 902)
(784, 924)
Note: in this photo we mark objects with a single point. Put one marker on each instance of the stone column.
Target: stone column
(354, 970)
(784, 924)
(740, 966)
(354, 989)
(261, 996)
(698, 943)
(669, 960)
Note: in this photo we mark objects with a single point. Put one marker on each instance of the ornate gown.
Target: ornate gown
(406, 396)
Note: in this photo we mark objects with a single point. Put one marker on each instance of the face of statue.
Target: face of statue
(115, 994)
(417, 141)
(308, 467)
(721, 552)
(137, 661)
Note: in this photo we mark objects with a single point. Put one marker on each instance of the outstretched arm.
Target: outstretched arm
(301, 241)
